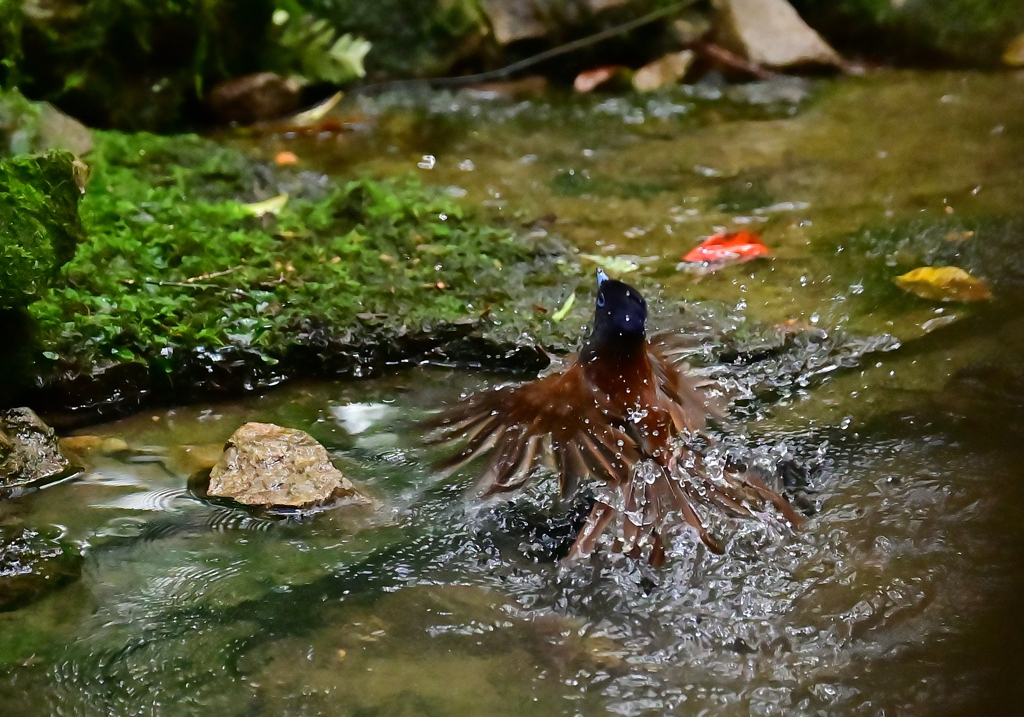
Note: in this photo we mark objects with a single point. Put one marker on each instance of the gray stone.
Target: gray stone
(268, 465)
(29, 454)
(513, 20)
(770, 33)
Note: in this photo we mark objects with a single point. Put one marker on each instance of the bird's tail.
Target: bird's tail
(685, 489)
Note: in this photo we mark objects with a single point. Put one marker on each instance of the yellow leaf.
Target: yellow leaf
(274, 205)
(614, 264)
(317, 113)
(944, 283)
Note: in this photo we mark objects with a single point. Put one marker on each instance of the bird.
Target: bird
(623, 415)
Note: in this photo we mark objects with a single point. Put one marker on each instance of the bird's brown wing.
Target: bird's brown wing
(689, 399)
(559, 418)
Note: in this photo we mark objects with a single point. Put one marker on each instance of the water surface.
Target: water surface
(899, 420)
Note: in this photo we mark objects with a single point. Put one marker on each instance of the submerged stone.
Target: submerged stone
(29, 454)
(267, 465)
(32, 564)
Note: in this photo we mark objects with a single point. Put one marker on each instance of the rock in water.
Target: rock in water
(771, 33)
(267, 465)
(33, 564)
(29, 454)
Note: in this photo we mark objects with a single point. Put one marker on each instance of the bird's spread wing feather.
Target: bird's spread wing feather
(567, 421)
(687, 398)
(559, 417)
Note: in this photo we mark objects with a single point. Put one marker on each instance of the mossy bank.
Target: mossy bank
(184, 288)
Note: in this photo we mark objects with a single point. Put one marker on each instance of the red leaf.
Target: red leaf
(728, 248)
(591, 79)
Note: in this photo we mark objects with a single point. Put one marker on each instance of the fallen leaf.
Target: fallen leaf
(944, 283)
(274, 205)
(589, 80)
(284, 158)
(315, 114)
(614, 264)
(663, 72)
(727, 248)
(563, 312)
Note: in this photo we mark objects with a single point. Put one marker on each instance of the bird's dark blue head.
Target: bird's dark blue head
(620, 314)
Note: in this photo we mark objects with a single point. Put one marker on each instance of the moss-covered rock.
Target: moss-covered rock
(182, 289)
(39, 223)
(915, 31)
(27, 127)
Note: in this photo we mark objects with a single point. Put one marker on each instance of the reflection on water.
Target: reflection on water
(904, 445)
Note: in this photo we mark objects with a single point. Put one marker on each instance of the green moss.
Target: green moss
(39, 225)
(177, 267)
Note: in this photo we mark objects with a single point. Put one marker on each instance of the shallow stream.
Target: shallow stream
(898, 422)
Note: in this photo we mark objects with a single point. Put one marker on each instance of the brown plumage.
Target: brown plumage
(616, 415)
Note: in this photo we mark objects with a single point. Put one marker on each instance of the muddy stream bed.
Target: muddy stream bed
(898, 427)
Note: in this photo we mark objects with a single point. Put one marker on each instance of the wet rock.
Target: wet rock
(267, 465)
(1014, 53)
(29, 454)
(771, 33)
(32, 565)
(254, 98)
(663, 72)
(71, 396)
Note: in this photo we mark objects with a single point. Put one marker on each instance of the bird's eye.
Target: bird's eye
(600, 299)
